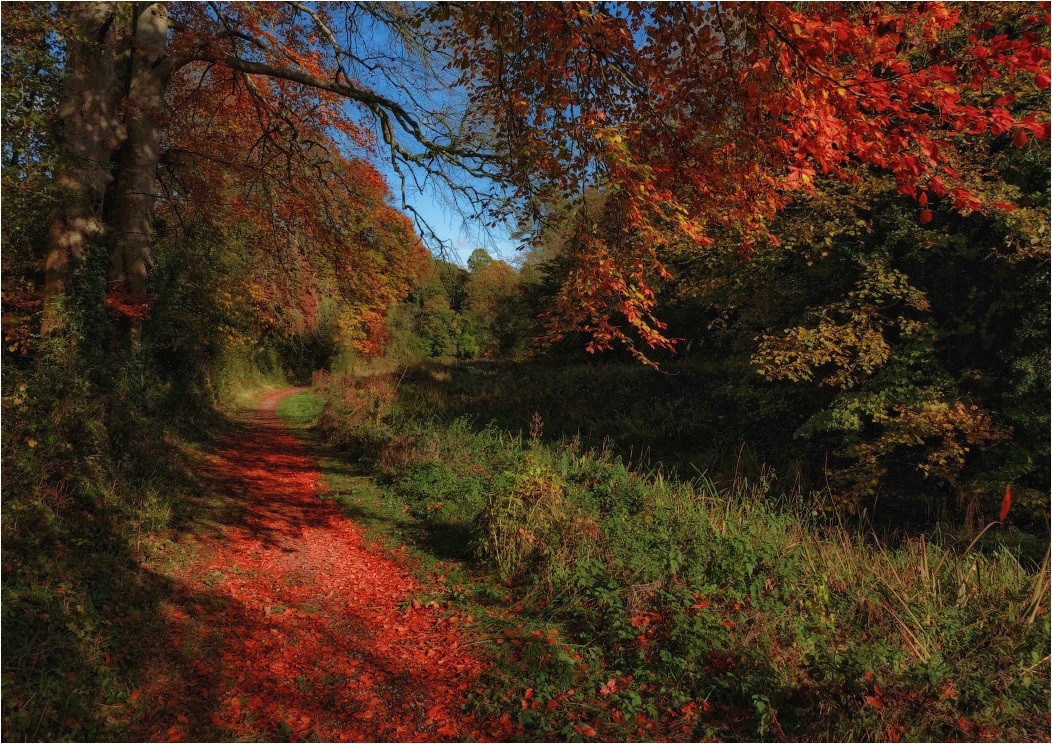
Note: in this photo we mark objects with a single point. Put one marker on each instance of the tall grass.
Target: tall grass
(698, 610)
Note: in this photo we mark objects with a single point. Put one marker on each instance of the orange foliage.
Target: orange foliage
(695, 116)
(279, 169)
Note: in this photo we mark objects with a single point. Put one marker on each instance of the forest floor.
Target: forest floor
(390, 557)
(289, 623)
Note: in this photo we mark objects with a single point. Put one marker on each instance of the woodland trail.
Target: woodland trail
(289, 626)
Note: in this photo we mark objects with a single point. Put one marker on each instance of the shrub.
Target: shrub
(689, 597)
(524, 522)
(353, 415)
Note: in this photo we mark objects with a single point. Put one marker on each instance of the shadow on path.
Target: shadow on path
(288, 626)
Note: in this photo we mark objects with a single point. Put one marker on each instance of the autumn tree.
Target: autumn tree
(701, 116)
(139, 76)
(849, 267)
(694, 116)
(897, 351)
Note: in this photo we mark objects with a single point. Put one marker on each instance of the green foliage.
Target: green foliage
(353, 418)
(312, 350)
(478, 260)
(899, 352)
(523, 522)
(242, 372)
(100, 475)
(454, 313)
(95, 466)
(679, 605)
(681, 417)
(439, 327)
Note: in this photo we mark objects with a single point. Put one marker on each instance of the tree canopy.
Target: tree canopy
(698, 117)
(694, 117)
(213, 171)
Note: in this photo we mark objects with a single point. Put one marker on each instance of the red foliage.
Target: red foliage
(707, 117)
(132, 305)
(293, 623)
(279, 171)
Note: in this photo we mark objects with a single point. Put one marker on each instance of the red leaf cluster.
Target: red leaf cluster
(702, 119)
(132, 305)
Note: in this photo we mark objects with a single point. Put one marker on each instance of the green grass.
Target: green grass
(727, 612)
(687, 419)
(300, 409)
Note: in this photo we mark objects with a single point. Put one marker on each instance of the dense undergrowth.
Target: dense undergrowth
(102, 479)
(687, 419)
(644, 606)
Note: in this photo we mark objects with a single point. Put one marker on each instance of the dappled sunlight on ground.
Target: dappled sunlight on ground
(289, 625)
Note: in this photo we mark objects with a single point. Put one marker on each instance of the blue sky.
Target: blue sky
(448, 224)
(433, 89)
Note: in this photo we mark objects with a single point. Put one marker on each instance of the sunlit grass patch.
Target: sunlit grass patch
(300, 409)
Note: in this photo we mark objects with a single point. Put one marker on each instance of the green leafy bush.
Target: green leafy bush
(685, 605)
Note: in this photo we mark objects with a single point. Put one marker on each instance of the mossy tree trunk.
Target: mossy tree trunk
(91, 130)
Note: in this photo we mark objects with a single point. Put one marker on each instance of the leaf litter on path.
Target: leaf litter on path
(290, 626)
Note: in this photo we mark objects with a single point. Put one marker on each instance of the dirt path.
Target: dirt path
(289, 627)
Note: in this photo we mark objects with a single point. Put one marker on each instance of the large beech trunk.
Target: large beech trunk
(150, 73)
(92, 130)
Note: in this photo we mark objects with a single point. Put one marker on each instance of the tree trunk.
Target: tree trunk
(92, 130)
(130, 259)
